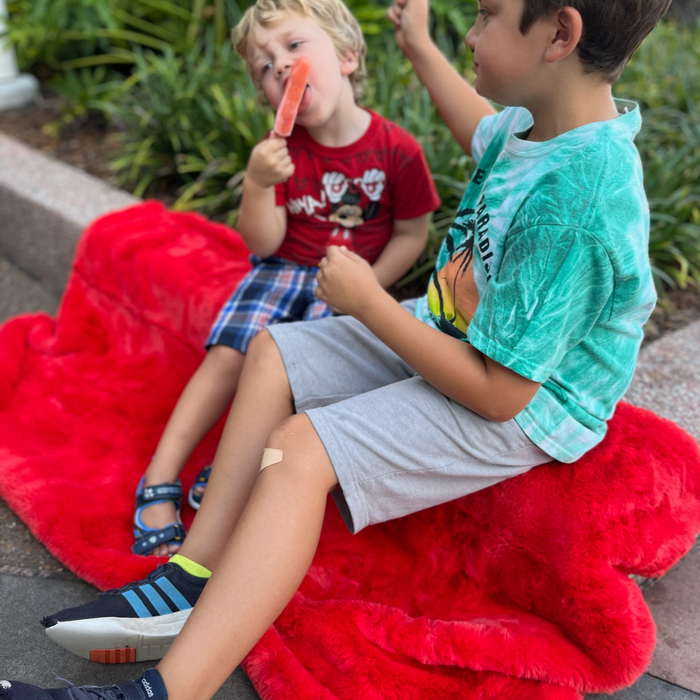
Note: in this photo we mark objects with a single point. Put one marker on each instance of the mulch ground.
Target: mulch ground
(90, 144)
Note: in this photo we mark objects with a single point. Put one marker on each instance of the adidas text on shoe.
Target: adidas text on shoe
(149, 686)
(137, 622)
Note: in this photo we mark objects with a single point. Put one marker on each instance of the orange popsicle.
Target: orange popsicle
(291, 99)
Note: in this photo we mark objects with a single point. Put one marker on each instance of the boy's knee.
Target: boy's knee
(292, 434)
(224, 356)
(296, 452)
(263, 347)
(223, 366)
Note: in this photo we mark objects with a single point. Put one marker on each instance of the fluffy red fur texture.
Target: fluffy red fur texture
(84, 398)
(518, 592)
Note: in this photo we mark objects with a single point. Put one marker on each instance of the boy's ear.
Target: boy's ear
(567, 28)
(349, 63)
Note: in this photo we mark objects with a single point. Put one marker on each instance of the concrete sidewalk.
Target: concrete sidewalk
(50, 204)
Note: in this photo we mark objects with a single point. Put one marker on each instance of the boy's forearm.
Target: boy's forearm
(401, 252)
(459, 105)
(453, 367)
(261, 223)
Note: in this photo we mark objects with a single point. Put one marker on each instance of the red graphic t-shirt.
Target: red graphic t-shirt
(351, 195)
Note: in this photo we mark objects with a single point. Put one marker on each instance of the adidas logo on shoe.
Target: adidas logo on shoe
(151, 682)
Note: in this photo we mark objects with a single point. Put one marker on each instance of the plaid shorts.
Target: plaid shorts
(274, 291)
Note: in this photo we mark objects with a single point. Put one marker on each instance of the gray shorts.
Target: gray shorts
(397, 444)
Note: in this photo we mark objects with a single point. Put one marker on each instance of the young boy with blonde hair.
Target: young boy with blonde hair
(518, 353)
(345, 176)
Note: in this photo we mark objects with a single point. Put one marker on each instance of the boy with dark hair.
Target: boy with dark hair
(610, 38)
(517, 354)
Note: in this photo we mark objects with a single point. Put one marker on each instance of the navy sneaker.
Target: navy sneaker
(137, 622)
(149, 687)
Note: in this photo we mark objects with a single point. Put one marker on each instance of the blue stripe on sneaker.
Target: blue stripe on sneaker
(162, 608)
(173, 593)
(139, 608)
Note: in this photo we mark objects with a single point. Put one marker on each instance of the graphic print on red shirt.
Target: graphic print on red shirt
(351, 195)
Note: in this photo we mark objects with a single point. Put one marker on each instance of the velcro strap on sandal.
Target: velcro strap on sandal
(160, 492)
(203, 476)
(172, 534)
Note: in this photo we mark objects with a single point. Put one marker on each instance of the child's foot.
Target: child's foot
(137, 622)
(157, 526)
(149, 686)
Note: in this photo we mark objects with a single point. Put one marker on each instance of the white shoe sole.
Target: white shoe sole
(116, 640)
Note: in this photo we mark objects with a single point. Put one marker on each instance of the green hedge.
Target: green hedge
(163, 71)
(664, 77)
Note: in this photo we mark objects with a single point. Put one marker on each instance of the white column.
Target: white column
(16, 90)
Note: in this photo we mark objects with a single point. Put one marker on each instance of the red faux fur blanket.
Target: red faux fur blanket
(518, 592)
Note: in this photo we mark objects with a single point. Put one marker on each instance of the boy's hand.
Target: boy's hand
(270, 163)
(410, 18)
(346, 282)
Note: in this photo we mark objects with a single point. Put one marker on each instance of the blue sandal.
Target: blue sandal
(195, 499)
(148, 538)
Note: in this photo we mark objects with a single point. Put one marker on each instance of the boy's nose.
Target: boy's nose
(469, 40)
(283, 67)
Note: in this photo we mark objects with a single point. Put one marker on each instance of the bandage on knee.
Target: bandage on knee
(270, 456)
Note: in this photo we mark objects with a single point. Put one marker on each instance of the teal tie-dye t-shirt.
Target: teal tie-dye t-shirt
(546, 270)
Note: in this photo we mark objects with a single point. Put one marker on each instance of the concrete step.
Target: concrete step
(45, 207)
(22, 293)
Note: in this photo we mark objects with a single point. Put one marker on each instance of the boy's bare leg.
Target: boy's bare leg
(204, 400)
(261, 567)
(263, 401)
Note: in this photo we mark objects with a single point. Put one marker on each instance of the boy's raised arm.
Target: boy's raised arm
(458, 103)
